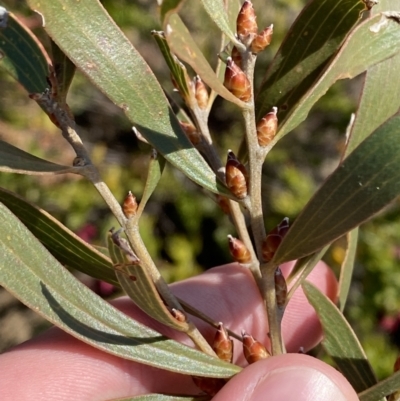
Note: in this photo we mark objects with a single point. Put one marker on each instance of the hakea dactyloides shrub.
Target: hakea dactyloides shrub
(317, 51)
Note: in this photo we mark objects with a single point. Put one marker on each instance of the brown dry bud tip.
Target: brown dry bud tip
(246, 21)
(238, 250)
(262, 40)
(274, 239)
(236, 176)
(222, 344)
(191, 132)
(201, 93)
(178, 315)
(253, 350)
(223, 204)
(280, 288)
(130, 205)
(236, 56)
(209, 385)
(267, 128)
(236, 81)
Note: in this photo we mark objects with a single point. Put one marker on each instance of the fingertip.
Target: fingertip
(285, 377)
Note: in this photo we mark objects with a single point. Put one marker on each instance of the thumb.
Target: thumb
(287, 377)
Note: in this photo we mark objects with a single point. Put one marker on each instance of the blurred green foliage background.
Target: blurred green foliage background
(183, 228)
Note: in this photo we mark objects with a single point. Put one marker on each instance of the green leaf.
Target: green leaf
(154, 173)
(177, 69)
(380, 78)
(373, 41)
(340, 341)
(182, 44)
(64, 70)
(139, 286)
(164, 397)
(303, 269)
(381, 389)
(313, 39)
(217, 12)
(22, 55)
(367, 181)
(14, 160)
(88, 36)
(168, 7)
(232, 10)
(346, 270)
(63, 244)
(30, 273)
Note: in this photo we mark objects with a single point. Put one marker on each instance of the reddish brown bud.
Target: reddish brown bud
(201, 93)
(267, 128)
(236, 81)
(224, 204)
(191, 132)
(178, 315)
(236, 176)
(238, 250)
(280, 288)
(262, 40)
(236, 56)
(274, 239)
(246, 21)
(253, 350)
(209, 385)
(222, 344)
(130, 205)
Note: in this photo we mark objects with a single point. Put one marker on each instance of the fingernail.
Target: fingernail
(302, 384)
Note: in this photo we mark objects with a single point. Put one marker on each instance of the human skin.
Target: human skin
(56, 366)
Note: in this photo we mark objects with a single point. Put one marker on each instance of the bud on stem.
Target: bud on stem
(200, 93)
(238, 250)
(130, 205)
(262, 40)
(246, 21)
(236, 176)
(253, 350)
(280, 288)
(222, 344)
(267, 128)
(274, 239)
(191, 132)
(236, 81)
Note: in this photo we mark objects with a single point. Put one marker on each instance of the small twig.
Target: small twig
(67, 126)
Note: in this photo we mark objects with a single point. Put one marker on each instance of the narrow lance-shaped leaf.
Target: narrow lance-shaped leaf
(168, 7)
(182, 44)
(155, 170)
(21, 54)
(313, 39)
(31, 274)
(232, 10)
(381, 78)
(217, 12)
(15, 160)
(340, 341)
(177, 69)
(367, 180)
(381, 389)
(63, 244)
(89, 37)
(137, 283)
(64, 71)
(346, 270)
(373, 41)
